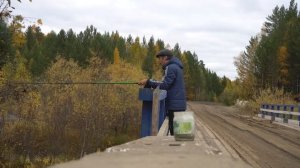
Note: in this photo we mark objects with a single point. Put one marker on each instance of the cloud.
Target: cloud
(216, 30)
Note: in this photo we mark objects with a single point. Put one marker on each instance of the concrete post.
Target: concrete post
(153, 110)
(272, 114)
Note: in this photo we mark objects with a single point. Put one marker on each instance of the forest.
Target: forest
(272, 58)
(47, 118)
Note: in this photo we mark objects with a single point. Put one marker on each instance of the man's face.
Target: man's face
(163, 60)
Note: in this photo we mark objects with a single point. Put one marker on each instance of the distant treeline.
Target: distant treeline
(39, 51)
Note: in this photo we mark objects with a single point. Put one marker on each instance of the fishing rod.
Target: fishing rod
(74, 83)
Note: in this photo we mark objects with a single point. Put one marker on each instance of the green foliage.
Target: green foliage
(5, 44)
(272, 58)
(230, 93)
(148, 65)
(246, 68)
(201, 83)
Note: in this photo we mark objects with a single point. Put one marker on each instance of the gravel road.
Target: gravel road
(258, 142)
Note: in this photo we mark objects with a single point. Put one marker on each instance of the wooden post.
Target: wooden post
(155, 111)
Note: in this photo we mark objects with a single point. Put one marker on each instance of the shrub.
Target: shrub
(270, 96)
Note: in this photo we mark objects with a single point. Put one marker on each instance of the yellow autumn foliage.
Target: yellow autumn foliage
(116, 56)
(18, 37)
(71, 120)
(282, 59)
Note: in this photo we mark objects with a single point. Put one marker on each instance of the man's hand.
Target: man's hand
(143, 82)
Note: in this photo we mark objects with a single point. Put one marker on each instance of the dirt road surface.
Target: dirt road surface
(258, 142)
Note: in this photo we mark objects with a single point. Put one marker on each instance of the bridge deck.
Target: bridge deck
(163, 151)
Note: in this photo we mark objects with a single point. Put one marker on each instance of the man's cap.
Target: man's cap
(164, 52)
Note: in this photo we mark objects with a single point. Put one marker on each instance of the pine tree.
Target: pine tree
(149, 61)
(246, 68)
(176, 51)
(6, 48)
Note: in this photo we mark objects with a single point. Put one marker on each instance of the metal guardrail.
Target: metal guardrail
(289, 114)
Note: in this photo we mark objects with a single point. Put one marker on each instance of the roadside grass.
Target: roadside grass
(266, 96)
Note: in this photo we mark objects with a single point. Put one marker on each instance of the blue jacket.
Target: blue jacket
(173, 82)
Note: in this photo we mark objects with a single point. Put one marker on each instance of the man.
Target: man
(172, 81)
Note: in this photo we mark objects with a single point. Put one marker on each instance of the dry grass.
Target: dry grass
(267, 96)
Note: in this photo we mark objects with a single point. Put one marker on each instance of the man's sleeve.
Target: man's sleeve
(166, 83)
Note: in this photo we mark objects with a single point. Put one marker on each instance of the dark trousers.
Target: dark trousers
(171, 118)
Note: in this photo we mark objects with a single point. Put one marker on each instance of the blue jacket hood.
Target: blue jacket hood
(174, 60)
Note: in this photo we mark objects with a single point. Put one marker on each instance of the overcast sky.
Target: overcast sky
(215, 30)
